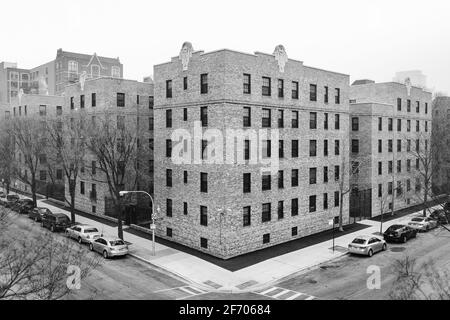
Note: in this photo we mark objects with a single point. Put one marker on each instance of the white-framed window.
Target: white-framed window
(115, 72)
(73, 66)
(95, 70)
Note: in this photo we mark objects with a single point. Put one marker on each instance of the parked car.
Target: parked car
(422, 223)
(367, 245)
(441, 216)
(83, 233)
(25, 206)
(109, 247)
(18, 204)
(11, 199)
(447, 207)
(2, 199)
(399, 232)
(37, 213)
(55, 221)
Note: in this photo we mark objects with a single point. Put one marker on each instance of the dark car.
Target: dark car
(11, 199)
(399, 232)
(37, 213)
(16, 206)
(25, 206)
(447, 207)
(55, 221)
(441, 216)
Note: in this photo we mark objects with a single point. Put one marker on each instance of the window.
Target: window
(82, 187)
(408, 145)
(336, 173)
(203, 182)
(294, 119)
(267, 149)
(204, 154)
(294, 149)
(426, 107)
(168, 148)
(312, 203)
(380, 146)
(247, 84)
(312, 92)
(138, 99)
(151, 102)
(168, 88)
(325, 174)
(325, 148)
(203, 216)
(185, 114)
(380, 168)
(399, 188)
(58, 110)
(280, 88)
(294, 207)
(312, 175)
(312, 148)
(204, 116)
(294, 231)
(169, 232)
(399, 125)
(390, 164)
(355, 146)
(337, 97)
(247, 150)
(246, 216)
(390, 124)
(266, 182)
(417, 106)
(281, 149)
(168, 177)
(390, 145)
(280, 119)
(150, 124)
(337, 122)
(408, 105)
(43, 175)
(399, 104)
(380, 190)
(426, 126)
(336, 147)
(115, 72)
(325, 201)
(93, 100)
(380, 124)
(266, 238)
(185, 83)
(408, 125)
(280, 179)
(73, 66)
(408, 185)
(204, 83)
(294, 90)
(121, 122)
(247, 117)
(336, 198)
(355, 124)
(280, 210)
(204, 243)
(42, 111)
(266, 118)
(399, 145)
(294, 178)
(417, 145)
(185, 177)
(399, 166)
(266, 86)
(325, 121)
(408, 165)
(266, 212)
(313, 120)
(59, 174)
(325, 95)
(247, 182)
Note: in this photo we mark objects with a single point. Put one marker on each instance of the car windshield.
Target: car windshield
(417, 219)
(359, 241)
(115, 243)
(12, 197)
(394, 227)
(90, 230)
(62, 218)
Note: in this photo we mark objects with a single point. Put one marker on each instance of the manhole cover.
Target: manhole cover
(398, 249)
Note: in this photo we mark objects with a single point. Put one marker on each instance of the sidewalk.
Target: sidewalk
(212, 277)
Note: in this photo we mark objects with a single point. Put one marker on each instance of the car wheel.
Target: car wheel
(80, 241)
(105, 254)
(91, 247)
(370, 253)
(404, 239)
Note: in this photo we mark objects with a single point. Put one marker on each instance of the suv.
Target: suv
(24, 206)
(37, 213)
(11, 199)
(55, 221)
(441, 216)
(399, 232)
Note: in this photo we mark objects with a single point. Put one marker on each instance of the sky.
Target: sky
(365, 39)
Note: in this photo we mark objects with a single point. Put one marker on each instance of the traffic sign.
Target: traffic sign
(153, 226)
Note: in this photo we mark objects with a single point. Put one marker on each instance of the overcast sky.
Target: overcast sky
(366, 39)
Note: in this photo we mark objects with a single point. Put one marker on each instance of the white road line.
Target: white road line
(269, 290)
(298, 294)
(280, 294)
(310, 298)
(198, 290)
(187, 291)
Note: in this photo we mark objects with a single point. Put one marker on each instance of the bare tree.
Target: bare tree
(7, 159)
(66, 150)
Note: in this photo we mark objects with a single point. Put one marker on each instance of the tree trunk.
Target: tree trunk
(33, 190)
(72, 200)
(425, 198)
(119, 220)
(341, 229)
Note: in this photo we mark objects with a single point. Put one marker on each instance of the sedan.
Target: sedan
(11, 199)
(37, 213)
(423, 223)
(367, 245)
(109, 247)
(25, 206)
(83, 233)
(399, 232)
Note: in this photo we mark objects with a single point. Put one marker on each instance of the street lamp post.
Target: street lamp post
(152, 226)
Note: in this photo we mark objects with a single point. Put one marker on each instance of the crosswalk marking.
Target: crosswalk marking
(298, 294)
(269, 290)
(285, 294)
(280, 294)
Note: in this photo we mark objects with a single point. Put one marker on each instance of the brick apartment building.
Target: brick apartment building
(441, 134)
(389, 121)
(232, 207)
(128, 102)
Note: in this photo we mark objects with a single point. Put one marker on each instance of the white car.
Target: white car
(109, 247)
(83, 233)
(423, 223)
(367, 245)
